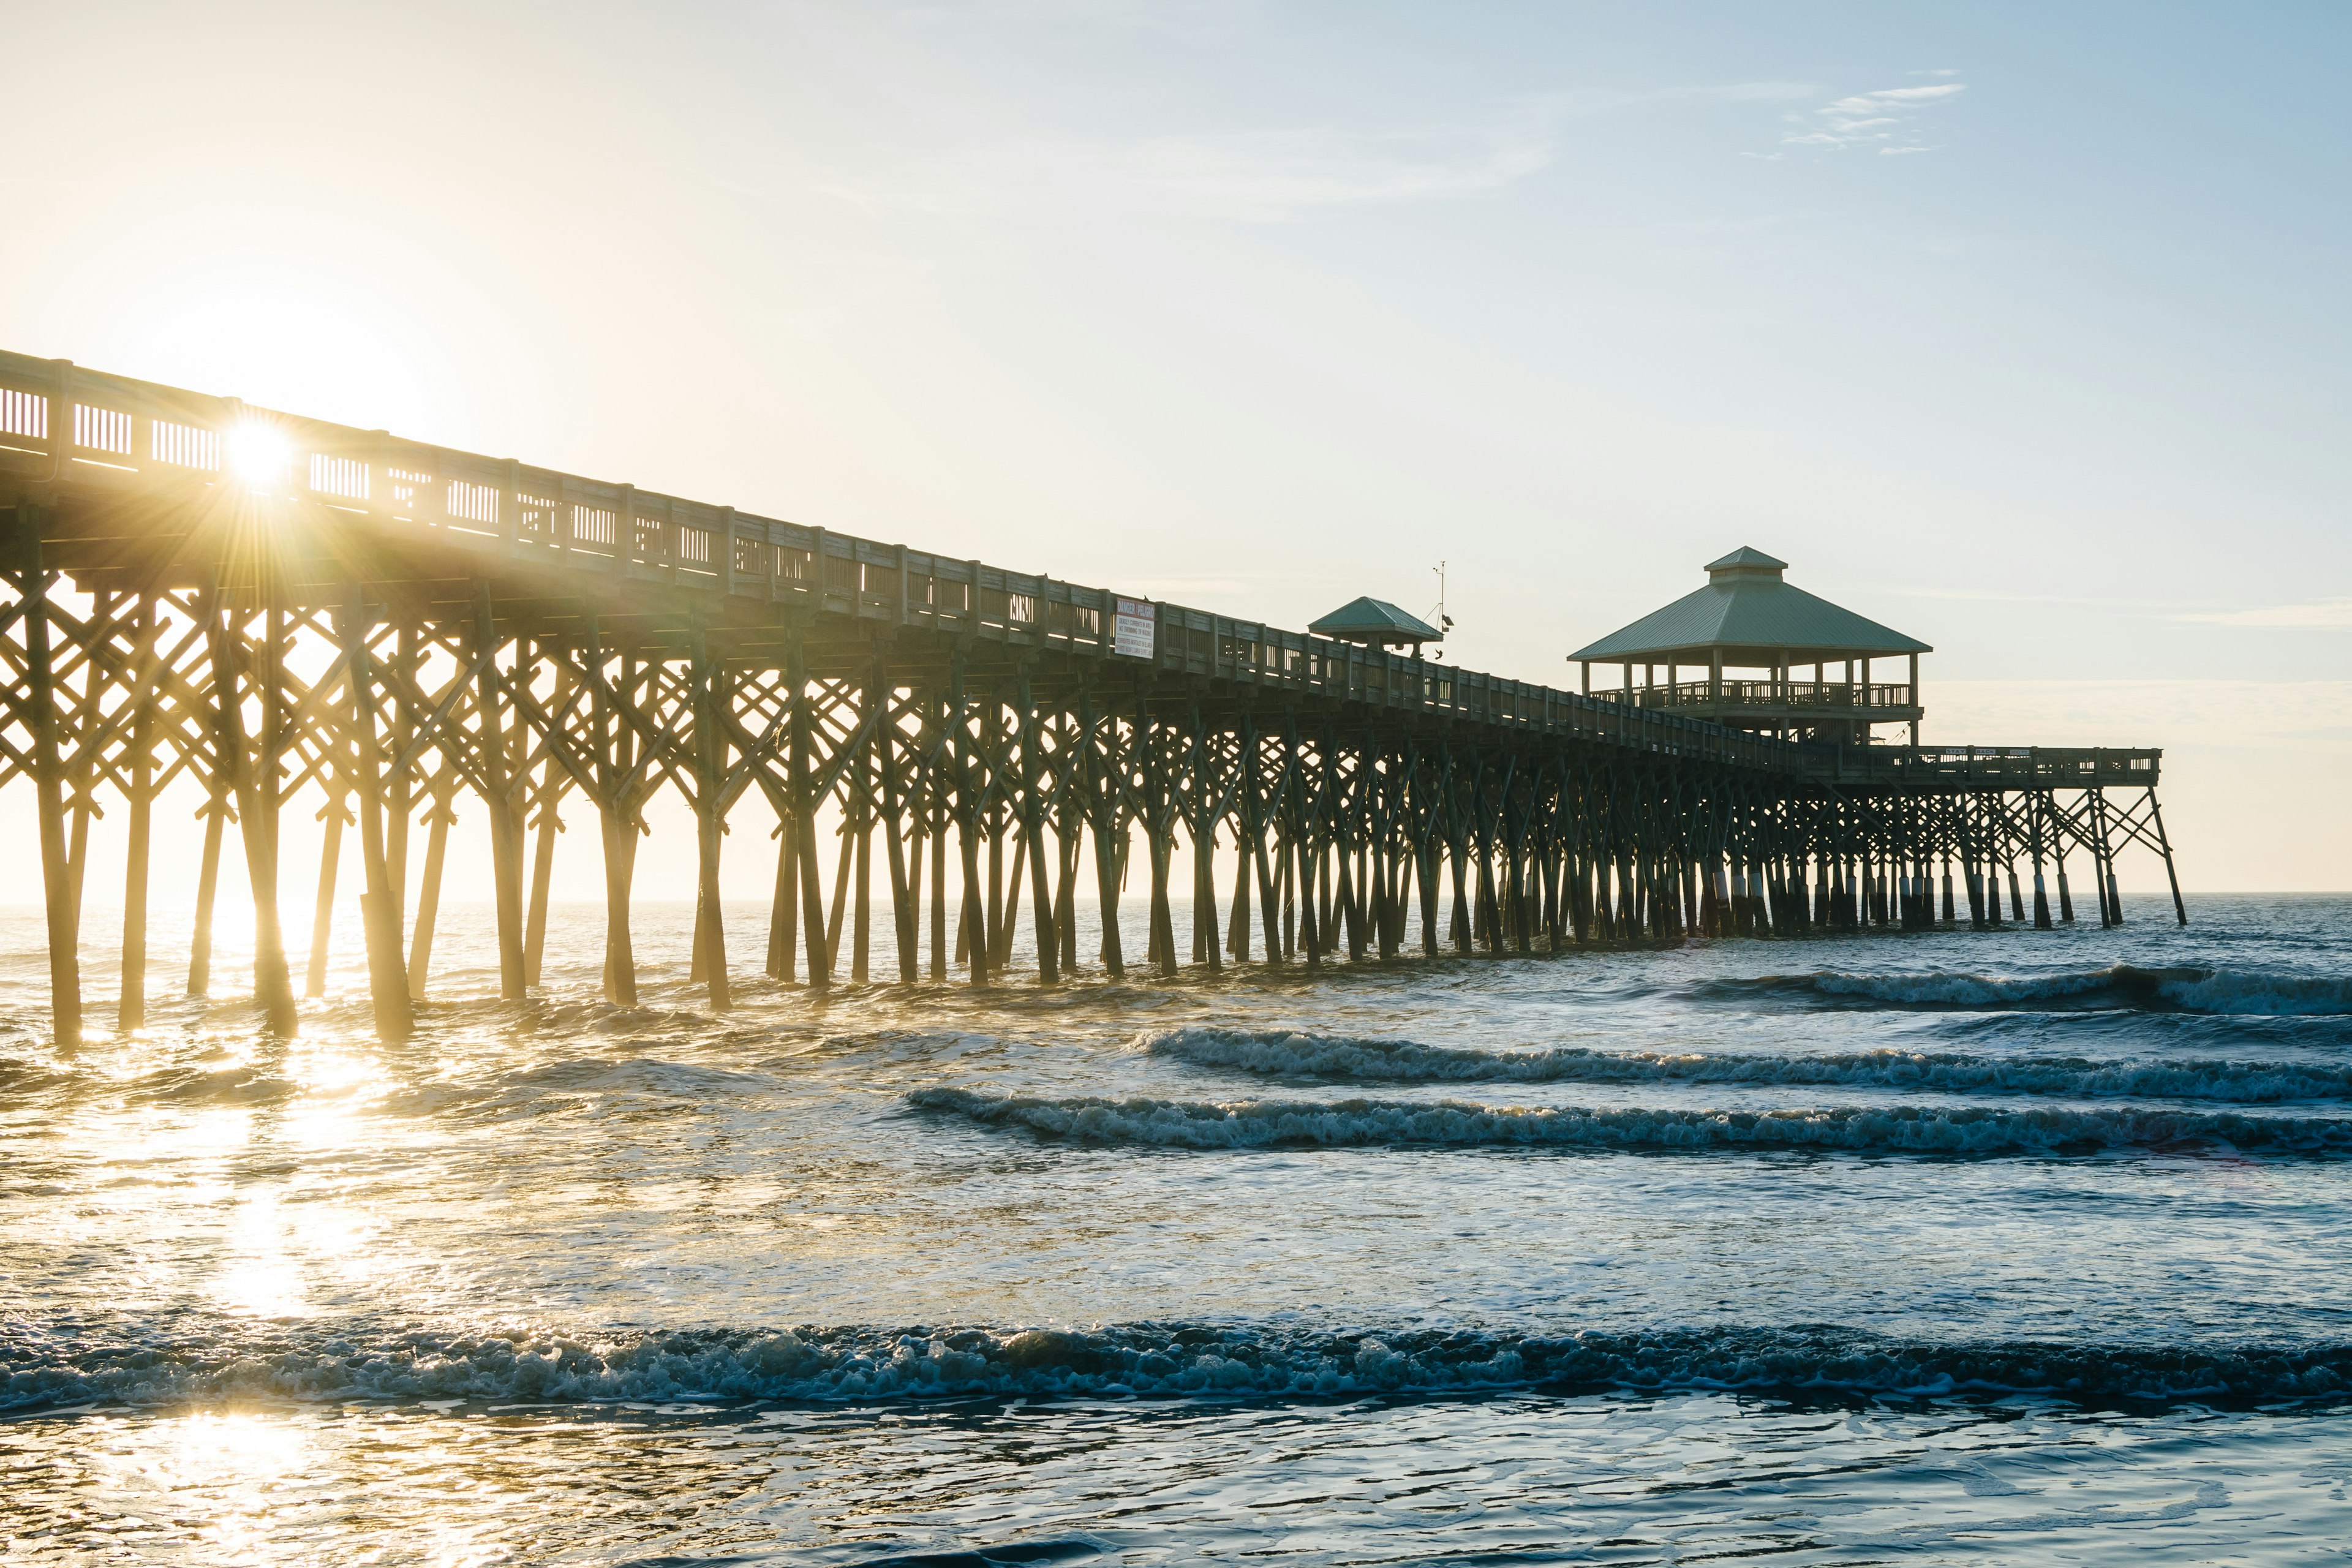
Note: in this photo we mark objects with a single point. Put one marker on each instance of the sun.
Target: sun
(257, 453)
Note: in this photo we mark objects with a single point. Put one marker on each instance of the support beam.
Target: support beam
(45, 704)
(380, 913)
(498, 797)
(131, 1011)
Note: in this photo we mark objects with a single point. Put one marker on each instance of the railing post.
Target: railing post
(62, 421)
(625, 529)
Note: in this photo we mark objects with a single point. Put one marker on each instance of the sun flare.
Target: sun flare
(257, 453)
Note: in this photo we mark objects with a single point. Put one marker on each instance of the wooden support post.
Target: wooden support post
(379, 900)
(913, 946)
(1285, 883)
(1522, 931)
(1269, 906)
(1049, 944)
(200, 948)
(616, 822)
(969, 916)
(48, 774)
(255, 783)
(1298, 862)
(400, 803)
(506, 831)
(1160, 845)
(1460, 918)
(906, 906)
(940, 897)
(438, 817)
(709, 822)
(322, 918)
(2103, 860)
(1069, 841)
(784, 910)
(2039, 819)
(542, 862)
(543, 870)
(1163, 918)
(2164, 846)
(861, 939)
(80, 775)
(832, 925)
(1237, 923)
(1429, 894)
(1337, 905)
(130, 1010)
(1109, 826)
(973, 924)
(1592, 886)
(994, 928)
(1205, 946)
(802, 765)
(618, 834)
(1307, 858)
(978, 952)
(1008, 930)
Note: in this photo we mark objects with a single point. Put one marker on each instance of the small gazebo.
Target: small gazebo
(1377, 621)
(1748, 619)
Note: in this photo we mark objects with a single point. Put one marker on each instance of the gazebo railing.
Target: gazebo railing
(1832, 695)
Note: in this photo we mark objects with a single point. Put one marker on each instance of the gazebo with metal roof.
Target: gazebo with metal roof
(1747, 619)
(1378, 622)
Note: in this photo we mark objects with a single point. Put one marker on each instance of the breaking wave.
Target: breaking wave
(1293, 1054)
(2187, 988)
(1878, 1129)
(1150, 1359)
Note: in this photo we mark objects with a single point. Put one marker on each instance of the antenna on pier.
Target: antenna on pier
(1437, 616)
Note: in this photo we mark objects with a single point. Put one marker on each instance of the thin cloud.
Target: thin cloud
(1886, 121)
(1282, 173)
(2326, 613)
(1251, 174)
(1277, 174)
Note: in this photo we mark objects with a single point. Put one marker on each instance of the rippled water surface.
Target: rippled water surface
(1997, 1247)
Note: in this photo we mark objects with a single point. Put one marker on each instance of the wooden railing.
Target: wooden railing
(1829, 695)
(88, 433)
(2021, 766)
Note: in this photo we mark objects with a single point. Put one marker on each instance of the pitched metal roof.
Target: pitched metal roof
(1745, 609)
(1376, 618)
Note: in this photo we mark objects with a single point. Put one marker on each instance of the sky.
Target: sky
(2021, 329)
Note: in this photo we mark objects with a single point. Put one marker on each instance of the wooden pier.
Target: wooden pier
(300, 616)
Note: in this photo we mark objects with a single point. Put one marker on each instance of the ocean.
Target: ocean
(2010, 1247)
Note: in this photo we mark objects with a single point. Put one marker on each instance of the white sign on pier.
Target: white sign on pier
(1132, 629)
